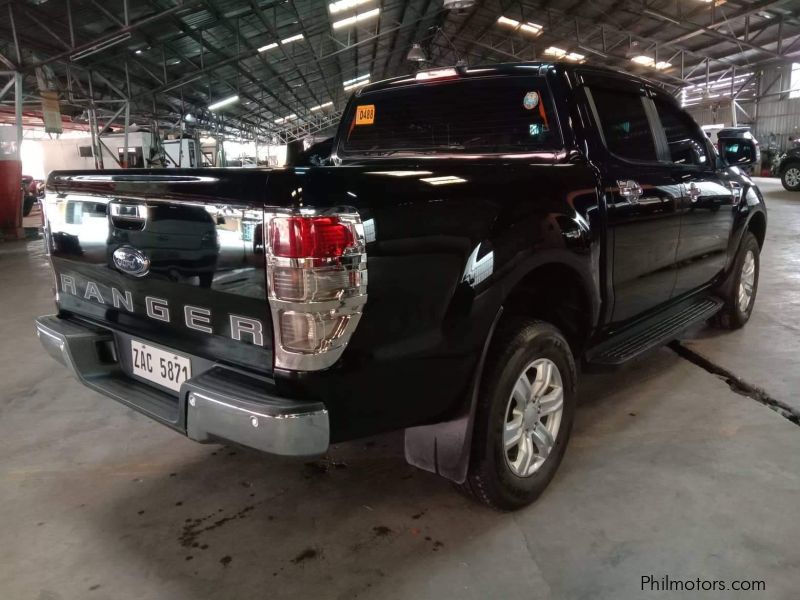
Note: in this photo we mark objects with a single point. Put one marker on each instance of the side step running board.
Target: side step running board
(652, 332)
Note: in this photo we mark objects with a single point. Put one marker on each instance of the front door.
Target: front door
(707, 200)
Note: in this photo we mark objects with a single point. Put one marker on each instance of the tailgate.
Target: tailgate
(172, 259)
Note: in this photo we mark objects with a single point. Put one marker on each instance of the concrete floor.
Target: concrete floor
(669, 473)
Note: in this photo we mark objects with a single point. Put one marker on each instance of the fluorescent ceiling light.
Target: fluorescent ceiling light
(355, 85)
(288, 40)
(561, 53)
(648, 61)
(356, 18)
(506, 21)
(643, 60)
(359, 78)
(293, 38)
(444, 180)
(528, 27)
(555, 51)
(401, 173)
(341, 5)
(435, 74)
(321, 106)
(223, 102)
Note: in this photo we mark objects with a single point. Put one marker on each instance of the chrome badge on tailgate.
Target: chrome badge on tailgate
(131, 261)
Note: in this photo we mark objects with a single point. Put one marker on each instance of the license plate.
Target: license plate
(160, 366)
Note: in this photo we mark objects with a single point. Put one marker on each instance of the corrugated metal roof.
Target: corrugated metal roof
(216, 42)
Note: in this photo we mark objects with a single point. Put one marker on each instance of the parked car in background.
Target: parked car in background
(729, 144)
(787, 167)
(316, 155)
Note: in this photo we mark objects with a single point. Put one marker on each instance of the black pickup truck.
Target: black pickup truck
(479, 236)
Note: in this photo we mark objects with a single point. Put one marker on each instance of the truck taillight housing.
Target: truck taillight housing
(317, 282)
(310, 237)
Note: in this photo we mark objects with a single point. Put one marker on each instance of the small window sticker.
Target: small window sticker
(365, 114)
(535, 129)
(531, 100)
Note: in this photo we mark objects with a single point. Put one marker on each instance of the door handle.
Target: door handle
(693, 192)
(630, 190)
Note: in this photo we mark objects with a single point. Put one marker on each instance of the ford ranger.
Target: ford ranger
(477, 237)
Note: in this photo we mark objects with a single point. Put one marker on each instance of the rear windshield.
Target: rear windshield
(497, 114)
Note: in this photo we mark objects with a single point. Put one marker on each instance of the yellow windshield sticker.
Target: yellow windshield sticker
(365, 114)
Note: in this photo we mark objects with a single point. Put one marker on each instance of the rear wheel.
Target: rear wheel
(741, 294)
(791, 177)
(524, 416)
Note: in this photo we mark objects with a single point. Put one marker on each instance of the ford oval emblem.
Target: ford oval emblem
(131, 261)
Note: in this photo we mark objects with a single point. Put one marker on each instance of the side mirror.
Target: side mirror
(740, 151)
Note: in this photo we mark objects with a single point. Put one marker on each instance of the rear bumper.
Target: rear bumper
(217, 404)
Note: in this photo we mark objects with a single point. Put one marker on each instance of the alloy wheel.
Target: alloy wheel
(747, 281)
(533, 417)
(792, 177)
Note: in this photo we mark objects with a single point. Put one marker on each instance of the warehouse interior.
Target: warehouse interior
(682, 464)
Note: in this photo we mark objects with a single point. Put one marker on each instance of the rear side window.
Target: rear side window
(486, 115)
(625, 126)
(686, 145)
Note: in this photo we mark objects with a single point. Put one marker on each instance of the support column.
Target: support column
(11, 194)
(18, 110)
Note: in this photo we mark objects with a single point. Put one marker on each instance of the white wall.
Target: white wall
(65, 154)
(42, 156)
(276, 154)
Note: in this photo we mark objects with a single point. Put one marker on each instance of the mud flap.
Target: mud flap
(444, 448)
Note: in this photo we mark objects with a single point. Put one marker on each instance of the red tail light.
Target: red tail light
(317, 283)
(309, 237)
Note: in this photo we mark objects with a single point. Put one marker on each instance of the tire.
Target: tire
(739, 306)
(27, 205)
(499, 475)
(790, 178)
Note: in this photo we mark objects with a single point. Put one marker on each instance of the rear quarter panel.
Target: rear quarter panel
(441, 257)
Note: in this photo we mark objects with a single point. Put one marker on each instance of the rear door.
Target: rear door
(707, 200)
(642, 197)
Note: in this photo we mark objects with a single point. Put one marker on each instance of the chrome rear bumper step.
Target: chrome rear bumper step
(218, 404)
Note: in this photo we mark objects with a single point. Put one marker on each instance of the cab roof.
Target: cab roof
(519, 68)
